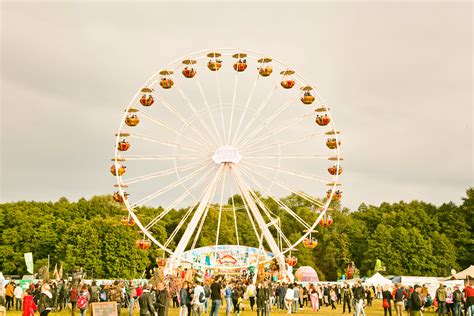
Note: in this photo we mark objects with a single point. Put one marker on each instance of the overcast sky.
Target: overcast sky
(397, 77)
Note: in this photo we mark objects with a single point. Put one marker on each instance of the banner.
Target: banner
(29, 262)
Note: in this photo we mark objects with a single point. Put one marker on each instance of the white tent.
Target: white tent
(468, 273)
(378, 279)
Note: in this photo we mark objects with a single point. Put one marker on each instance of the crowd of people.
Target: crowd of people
(195, 298)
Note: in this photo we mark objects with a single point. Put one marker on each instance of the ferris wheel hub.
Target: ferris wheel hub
(225, 154)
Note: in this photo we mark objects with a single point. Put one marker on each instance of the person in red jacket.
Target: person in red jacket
(29, 306)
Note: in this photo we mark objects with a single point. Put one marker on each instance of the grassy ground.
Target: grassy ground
(375, 310)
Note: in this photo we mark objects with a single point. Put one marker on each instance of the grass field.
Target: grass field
(375, 310)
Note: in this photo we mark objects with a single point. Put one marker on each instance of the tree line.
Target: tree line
(414, 238)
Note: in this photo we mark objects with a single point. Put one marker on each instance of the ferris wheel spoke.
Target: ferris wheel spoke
(163, 124)
(234, 214)
(178, 200)
(281, 144)
(165, 142)
(163, 173)
(220, 209)
(218, 135)
(203, 204)
(249, 216)
(159, 157)
(272, 221)
(202, 122)
(275, 131)
(284, 186)
(180, 117)
(277, 200)
(259, 218)
(245, 108)
(257, 113)
(261, 126)
(167, 188)
(287, 171)
(287, 156)
(220, 103)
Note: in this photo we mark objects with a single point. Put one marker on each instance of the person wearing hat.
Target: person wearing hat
(415, 301)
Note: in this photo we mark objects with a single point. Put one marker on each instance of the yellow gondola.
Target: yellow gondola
(123, 145)
(331, 143)
(143, 244)
(333, 170)
(322, 120)
(119, 172)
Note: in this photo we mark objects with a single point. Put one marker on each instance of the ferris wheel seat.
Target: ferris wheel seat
(265, 71)
(147, 100)
(117, 197)
(332, 143)
(214, 65)
(307, 99)
(288, 84)
(143, 244)
(123, 145)
(322, 120)
(333, 170)
(240, 66)
(119, 172)
(310, 243)
(189, 73)
(166, 83)
(132, 120)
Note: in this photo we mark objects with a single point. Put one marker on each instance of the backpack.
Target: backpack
(399, 295)
(82, 302)
(103, 296)
(207, 291)
(457, 296)
(202, 298)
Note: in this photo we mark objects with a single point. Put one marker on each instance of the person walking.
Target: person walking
(358, 293)
(73, 296)
(184, 299)
(115, 295)
(387, 301)
(145, 301)
(441, 295)
(228, 298)
(346, 298)
(237, 295)
(313, 296)
(83, 300)
(333, 297)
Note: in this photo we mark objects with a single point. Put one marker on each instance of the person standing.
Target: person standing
(115, 295)
(415, 301)
(441, 298)
(358, 293)
(161, 300)
(260, 295)
(183, 299)
(237, 295)
(18, 293)
(215, 296)
(73, 296)
(296, 297)
(132, 299)
(398, 296)
(313, 295)
(199, 298)
(9, 289)
(83, 300)
(145, 301)
(228, 298)
(289, 296)
(387, 301)
(251, 291)
(457, 301)
(333, 297)
(29, 306)
(45, 301)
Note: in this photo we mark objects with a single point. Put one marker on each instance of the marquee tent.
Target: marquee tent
(378, 279)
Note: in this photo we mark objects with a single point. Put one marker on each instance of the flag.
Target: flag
(56, 273)
(60, 273)
(29, 262)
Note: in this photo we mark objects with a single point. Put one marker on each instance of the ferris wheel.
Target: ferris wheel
(219, 125)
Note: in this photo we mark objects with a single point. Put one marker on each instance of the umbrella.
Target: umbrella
(306, 274)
